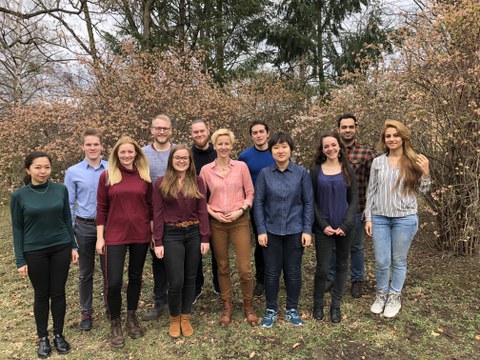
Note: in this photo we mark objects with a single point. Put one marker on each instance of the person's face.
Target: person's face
(161, 130)
(200, 134)
(281, 153)
(259, 135)
(126, 155)
(40, 170)
(181, 160)
(393, 139)
(92, 147)
(223, 146)
(347, 130)
(330, 147)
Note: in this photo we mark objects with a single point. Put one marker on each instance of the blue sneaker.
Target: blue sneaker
(292, 316)
(269, 318)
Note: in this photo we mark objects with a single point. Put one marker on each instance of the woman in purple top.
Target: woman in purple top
(336, 200)
(181, 233)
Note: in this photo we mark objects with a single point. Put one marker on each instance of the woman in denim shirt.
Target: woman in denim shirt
(284, 216)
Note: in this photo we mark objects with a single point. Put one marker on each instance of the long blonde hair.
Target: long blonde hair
(410, 172)
(169, 185)
(114, 176)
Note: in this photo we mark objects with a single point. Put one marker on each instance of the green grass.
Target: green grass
(440, 318)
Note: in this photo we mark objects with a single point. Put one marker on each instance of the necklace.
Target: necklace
(39, 192)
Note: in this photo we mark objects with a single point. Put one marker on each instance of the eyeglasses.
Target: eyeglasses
(160, 129)
(181, 158)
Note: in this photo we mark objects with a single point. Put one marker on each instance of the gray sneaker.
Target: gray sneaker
(379, 303)
(155, 312)
(393, 305)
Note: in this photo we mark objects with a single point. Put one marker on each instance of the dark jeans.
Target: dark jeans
(200, 279)
(115, 262)
(182, 254)
(48, 273)
(86, 236)
(283, 253)
(323, 248)
(258, 254)
(160, 283)
(357, 254)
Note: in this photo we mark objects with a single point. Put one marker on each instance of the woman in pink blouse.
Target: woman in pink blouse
(181, 233)
(231, 195)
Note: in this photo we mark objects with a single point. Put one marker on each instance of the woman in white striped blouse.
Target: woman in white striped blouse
(391, 211)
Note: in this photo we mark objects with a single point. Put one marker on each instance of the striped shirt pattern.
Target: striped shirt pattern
(382, 199)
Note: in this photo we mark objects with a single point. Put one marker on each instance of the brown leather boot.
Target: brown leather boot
(174, 327)
(185, 325)
(227, 313)
(116, 334)
(133, 327)
(252, 319)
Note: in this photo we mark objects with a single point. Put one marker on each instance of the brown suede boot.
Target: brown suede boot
(133, 327)
(227, 313)
(174, 326)
(185, 325)
(116, 334)
(252, 319)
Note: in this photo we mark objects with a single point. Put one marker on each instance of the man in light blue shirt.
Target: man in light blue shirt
(81, 181)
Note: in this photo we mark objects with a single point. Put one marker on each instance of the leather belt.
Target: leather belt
(85, 220)
(184, 223)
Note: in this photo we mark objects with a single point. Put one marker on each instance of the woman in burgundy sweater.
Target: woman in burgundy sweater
(124, 222)
(181, 233)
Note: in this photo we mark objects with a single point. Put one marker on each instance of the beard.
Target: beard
(201, 144)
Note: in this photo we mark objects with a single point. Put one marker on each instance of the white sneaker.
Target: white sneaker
(379, 303)
(393, 305)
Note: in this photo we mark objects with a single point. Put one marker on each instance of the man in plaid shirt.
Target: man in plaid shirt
(360, 158)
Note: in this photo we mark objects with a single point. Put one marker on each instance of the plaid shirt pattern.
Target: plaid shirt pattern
(361, 158)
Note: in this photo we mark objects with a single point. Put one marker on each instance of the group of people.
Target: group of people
(179, 202)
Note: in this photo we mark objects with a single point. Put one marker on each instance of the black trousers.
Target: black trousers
(114, 264)
(182, 255)
(258, 254)
(323, 248)
(48, 273)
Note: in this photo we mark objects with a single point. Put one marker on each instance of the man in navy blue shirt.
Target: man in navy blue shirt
(81, 181)
(257, 157)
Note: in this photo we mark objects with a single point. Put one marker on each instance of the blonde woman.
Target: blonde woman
(231, 196)
(181, 233)
(124, 222)
(391, 212)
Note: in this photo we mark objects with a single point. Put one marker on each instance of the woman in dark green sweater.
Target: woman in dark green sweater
(44, 246)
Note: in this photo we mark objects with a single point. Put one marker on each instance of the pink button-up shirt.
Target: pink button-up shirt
(231, 192)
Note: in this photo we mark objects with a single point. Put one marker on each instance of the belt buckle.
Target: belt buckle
(184, 224)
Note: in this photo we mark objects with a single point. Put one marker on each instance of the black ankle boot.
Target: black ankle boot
(335, 315)
(44, 349)
(62, 346)
(318, 313)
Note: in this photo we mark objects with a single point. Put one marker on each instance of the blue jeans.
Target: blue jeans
(357, 254)
(391, 238)
(283, 253)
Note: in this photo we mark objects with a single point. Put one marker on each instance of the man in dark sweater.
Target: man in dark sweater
(203, 153)
(257, 157)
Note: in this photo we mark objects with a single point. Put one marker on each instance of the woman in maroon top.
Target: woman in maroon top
(124, 222)
(181, 233)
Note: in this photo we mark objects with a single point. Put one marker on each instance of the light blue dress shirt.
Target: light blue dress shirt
(81, 181)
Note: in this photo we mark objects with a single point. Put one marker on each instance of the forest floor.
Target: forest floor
(439, 319)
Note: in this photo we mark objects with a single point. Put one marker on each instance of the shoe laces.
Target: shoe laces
(270, 314)
(86, 316)
(393, 299)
